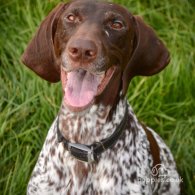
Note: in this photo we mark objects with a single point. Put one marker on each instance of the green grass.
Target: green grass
(28, 105)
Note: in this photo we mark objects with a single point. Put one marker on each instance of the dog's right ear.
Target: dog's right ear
(39, 55)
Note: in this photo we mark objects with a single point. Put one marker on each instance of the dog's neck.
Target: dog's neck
(93, 125)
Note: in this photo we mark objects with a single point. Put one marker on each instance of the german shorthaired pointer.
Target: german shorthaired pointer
(96, 145)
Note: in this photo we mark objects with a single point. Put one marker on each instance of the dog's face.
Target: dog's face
(93, 41)
(95, 48)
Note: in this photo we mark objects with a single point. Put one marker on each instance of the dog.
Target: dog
(96, 145)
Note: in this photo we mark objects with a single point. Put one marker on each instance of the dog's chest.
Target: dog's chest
(57, 172)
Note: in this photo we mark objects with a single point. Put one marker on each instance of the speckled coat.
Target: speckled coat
(122, 169)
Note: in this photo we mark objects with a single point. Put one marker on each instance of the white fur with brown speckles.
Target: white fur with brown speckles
(119, 168)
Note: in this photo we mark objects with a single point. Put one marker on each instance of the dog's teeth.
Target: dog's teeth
(101, 76)
(103, 73)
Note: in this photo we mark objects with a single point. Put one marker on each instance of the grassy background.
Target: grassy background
(166, 102)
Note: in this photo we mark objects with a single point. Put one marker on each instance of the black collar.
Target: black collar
(90, 153)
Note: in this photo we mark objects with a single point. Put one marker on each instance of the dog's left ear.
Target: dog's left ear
(149, 57)
(39, 55)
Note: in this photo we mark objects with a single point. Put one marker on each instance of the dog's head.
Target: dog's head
(95, 49)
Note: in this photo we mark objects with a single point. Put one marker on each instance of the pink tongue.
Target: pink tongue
(81, 87)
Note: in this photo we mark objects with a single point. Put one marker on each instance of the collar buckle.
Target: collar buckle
(90, 153)
(86, 153)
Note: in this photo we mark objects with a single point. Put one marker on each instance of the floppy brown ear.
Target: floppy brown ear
(39, 55)
(150, 55)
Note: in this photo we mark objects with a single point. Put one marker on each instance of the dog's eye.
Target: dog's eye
(117, 25)
(71, 17)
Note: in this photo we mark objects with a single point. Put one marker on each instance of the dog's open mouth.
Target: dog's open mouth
(81, 87)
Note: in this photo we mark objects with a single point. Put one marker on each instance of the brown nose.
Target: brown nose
(81, 49)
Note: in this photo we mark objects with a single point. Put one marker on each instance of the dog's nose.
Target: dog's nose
(84, 50)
